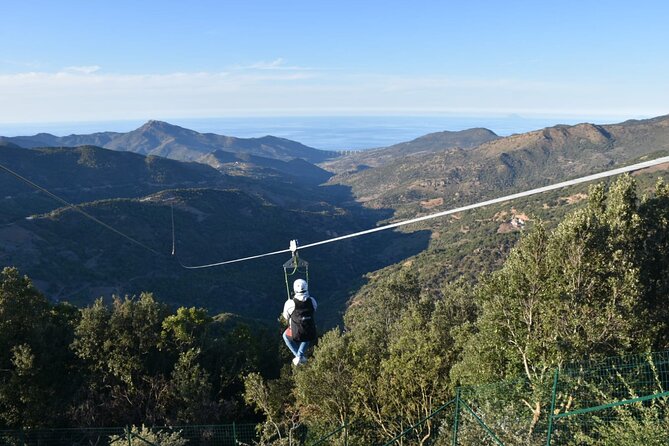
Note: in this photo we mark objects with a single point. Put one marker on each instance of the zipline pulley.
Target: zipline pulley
(295, 268)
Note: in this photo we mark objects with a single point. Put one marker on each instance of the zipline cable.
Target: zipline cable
(597, 176)
(78, 209)
(244, 259)
(174, 240)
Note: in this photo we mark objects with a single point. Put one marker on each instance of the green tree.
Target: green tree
(562, 296)
(370, 321)
(654, 212)
(37, 376)
(323, 389)
(232, 349)
(125, 370)
(146, 436)
(275, 400)
(190, 392)
(186, 329)
(411, 383)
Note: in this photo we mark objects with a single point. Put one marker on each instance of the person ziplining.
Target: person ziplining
(299, 309)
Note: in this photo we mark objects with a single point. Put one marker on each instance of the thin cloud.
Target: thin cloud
(85, 93)
(276, 64)
(20, 63)
(85, 69)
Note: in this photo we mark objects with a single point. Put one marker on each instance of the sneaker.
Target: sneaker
(296, 360)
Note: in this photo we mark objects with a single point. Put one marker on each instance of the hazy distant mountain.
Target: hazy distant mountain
(433, 142)
(171, 141)
(48, 140)
(525, 160)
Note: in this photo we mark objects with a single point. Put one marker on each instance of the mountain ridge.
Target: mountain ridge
(432, 142)
(171, 141)
(504, 164)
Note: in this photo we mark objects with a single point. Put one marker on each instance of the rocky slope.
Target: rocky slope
(526, 160)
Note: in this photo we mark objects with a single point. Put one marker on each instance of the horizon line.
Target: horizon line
(337, 114)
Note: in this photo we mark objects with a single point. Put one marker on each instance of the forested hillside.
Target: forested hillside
(73, 259)
(430, 143)
(90, 173)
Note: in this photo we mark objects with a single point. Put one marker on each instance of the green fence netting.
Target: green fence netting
(622, 401)
(507, 412)
(617, 401)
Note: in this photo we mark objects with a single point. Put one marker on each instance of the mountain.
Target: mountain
(48, 140)
(88, 173)
(171, 141)
(430, 143)
(467, 244)
(457, 176)
(256, 166)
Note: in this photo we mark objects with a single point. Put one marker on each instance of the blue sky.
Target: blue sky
(96, 60)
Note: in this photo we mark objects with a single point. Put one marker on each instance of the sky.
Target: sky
(74, 61)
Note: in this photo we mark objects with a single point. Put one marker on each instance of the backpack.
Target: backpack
(302, 323)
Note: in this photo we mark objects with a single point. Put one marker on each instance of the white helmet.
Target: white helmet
(300, 286)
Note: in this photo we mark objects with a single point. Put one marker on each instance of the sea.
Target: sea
(321, 132)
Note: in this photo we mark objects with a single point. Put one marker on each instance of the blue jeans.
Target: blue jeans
(297, 348)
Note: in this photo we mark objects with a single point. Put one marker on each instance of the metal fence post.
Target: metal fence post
(234, 433)
(552, 410)
(457, 417)
(128, 435)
